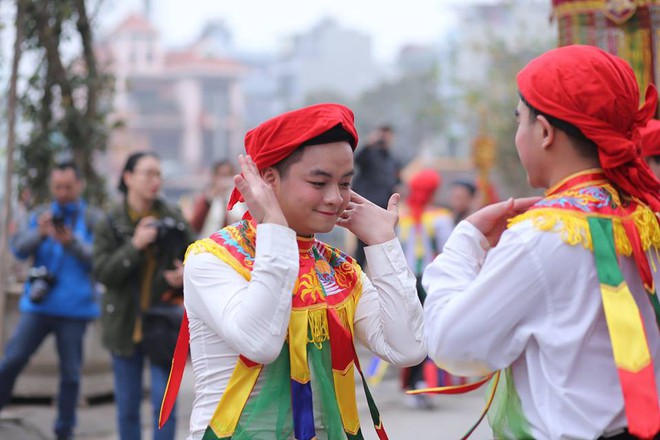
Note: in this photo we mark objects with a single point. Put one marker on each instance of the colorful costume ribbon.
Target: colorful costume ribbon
(319, 350)
(587, 209)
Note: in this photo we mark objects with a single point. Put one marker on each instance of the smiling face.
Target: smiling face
(314, 190)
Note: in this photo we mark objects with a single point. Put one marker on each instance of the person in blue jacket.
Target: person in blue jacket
(59, 295)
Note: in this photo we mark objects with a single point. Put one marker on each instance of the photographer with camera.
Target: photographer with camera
(378, 174)
(138, 255)
(59, 295)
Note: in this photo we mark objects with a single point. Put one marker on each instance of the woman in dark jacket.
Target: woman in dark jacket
(137, 256)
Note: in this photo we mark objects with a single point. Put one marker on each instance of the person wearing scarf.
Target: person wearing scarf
(423, 230)
(563, 302)
(273, 312)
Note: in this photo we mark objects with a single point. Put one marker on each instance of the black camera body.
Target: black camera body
(58, 220)
(170, 235)
(41, 281)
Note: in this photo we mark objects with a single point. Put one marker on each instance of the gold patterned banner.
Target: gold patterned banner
(629, 29)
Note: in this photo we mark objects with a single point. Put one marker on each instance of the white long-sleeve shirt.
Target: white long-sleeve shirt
(229, 316)
(533, 303)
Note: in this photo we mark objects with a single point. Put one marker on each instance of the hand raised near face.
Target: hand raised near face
(258, 194)
(368, 221)
(491, 220)
(145, 233)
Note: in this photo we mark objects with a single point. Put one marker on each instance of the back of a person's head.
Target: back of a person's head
(598, 85)
(470, 187)
(597, 93)
(422, 188)
(426, 180)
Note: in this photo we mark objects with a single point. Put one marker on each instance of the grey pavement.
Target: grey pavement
(449, 420)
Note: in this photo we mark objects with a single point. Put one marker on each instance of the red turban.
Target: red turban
(597, 92)
(651, 138)
(422, 188)
(275, 139)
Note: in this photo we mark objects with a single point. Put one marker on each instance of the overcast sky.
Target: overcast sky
(262, 25)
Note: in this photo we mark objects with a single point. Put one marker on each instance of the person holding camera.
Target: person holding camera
(378, 174)
(137, 256)
(59, 296)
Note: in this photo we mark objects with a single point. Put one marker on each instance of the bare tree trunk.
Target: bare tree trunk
(11, 143)
(93, 84)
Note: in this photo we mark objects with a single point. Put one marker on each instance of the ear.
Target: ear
(270, 176)
(126, 175)
(548, 132)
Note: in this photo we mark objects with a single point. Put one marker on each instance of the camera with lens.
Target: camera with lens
(58, 220)
(41, 280)
(170, 235)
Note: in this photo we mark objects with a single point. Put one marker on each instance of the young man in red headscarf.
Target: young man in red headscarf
(273, 312)
(563, 301)
(651, 145)
(423, 230)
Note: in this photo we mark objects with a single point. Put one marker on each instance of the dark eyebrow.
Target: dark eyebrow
(516, 112)
(322, 173)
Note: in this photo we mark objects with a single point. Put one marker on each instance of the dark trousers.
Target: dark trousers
(128, 372)
(30, 332)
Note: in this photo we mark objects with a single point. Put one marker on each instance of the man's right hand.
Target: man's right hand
(492, 220)
(145, 233)
(258, 194)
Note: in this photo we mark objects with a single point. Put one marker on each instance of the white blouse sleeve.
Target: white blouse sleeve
(389, 318)
(479, 319)
(251, 316)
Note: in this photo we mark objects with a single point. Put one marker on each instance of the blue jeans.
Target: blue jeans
(128, 395)
(30, 332)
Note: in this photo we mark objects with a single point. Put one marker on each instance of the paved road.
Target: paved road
(449, 419)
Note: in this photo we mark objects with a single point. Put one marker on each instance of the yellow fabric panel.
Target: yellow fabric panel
(345, 389)
(629, 344)
(229, 409)
(298, 346)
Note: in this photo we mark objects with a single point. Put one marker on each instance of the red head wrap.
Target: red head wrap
(275, 139)
(422, 188)
(597, 92)
(651, 138)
